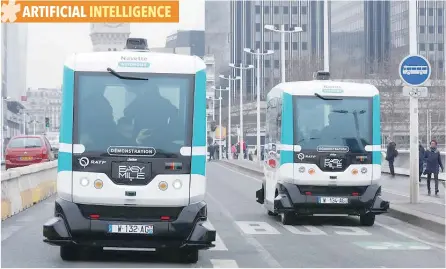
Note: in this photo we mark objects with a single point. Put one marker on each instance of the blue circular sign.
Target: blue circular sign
(415, 70)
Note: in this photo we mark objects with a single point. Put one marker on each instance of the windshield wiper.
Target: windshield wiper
(327, 98)
(116, 74)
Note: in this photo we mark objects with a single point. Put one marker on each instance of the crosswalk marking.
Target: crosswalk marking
(353, 231)
(256, 227)
(311, 230)
(217, 263)
(219, 245)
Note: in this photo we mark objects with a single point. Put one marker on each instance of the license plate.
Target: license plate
(333, 200)
(130, 229)
(26, 158)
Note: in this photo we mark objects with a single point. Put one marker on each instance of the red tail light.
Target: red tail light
(308, 193)
(165, 218)
(94, 216)
(355, 194)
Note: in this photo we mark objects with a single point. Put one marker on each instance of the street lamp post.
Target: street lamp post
(282, 32)
(241, 67)
(258, 54)
(4, 100)
(219, 116)
(219, 107)
(230, 79)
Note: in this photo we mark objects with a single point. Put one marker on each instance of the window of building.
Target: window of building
(285, 10)
(440, 47)
(422, 11)
(266, 10)
(440, 64)
(287, 45)
(304, 45)
(304, 27)
(277, 26)
(267, 63)
(257, 27)
(276, 45)
(440, 12)
(303, 10)
(294, 10)
(287, 27)
(109, 49)
(294, 45)
(267, 45)
(431, 29)
(257, 9)
(431, 47)
(422, 29)
(276, 10)
(276, 64)
(257, 44)
(431, 12)
(422, 47)
(440, 29)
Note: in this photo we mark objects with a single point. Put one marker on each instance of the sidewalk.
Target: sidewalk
(429, 213)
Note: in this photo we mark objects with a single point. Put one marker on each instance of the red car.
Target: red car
(26, 150)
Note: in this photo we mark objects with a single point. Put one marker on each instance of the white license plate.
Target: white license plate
(130, 229)
(333, 200)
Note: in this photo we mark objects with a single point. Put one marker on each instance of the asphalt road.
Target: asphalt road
(247, 237)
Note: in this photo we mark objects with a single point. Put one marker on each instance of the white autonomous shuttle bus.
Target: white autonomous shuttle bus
(132, 161)
(323, 150)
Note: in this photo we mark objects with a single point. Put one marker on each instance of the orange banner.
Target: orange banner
(90, 11)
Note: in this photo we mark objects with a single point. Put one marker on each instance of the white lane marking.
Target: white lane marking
(218, 263)
(264, 254)
(311, 230)
(256, 227)
(420, 247)
(219, 245)
(410, 236)
(352, 231)
(9, 231)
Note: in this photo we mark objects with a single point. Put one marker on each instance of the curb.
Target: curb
(395, 211)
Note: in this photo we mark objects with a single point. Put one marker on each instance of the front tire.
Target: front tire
(367, 219)
(188, 255)
(271, 213)
(286, 218)
(70, 253)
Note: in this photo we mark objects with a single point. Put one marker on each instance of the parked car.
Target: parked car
(27, 149)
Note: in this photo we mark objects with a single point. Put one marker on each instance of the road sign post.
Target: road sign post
(414, 71)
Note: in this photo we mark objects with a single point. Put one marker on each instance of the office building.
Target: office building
(305, 49)
(43, 103)
(192, 39)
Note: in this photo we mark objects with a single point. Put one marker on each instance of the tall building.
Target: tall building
(14, 57)
(217, 36)
(360, 37)
(109, 36)
(192, 39)
(43, 103)
(248, 19)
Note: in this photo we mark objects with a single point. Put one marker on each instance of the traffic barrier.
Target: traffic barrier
(25, 186)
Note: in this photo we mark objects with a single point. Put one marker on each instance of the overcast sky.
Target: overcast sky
(50, 43)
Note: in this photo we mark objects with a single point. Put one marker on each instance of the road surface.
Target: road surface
(247, 237)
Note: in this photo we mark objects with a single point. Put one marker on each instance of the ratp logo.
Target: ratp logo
(9, 11)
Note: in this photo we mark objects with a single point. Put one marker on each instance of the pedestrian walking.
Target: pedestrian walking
(432, 157)
(421, 151)
(392, 153)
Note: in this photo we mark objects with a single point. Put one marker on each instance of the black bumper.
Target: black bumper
(291, 199)
(187, 230)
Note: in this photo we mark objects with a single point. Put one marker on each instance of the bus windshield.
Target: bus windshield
(346, 122)
(115, 112)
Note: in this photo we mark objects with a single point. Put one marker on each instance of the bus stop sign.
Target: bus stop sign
(415, 70)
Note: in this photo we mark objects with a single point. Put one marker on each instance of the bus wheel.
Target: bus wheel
(271, 213)
(367, 219)
(188, 255)
(286, 218)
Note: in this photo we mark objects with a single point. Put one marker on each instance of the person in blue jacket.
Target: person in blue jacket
(432, 157)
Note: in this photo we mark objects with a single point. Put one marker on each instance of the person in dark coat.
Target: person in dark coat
(391, 155)
(421, 151)
(432, 158)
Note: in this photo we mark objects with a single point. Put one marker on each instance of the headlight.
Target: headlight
(84, 182)
(363, 170)
(301, 169)
(177, 184)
